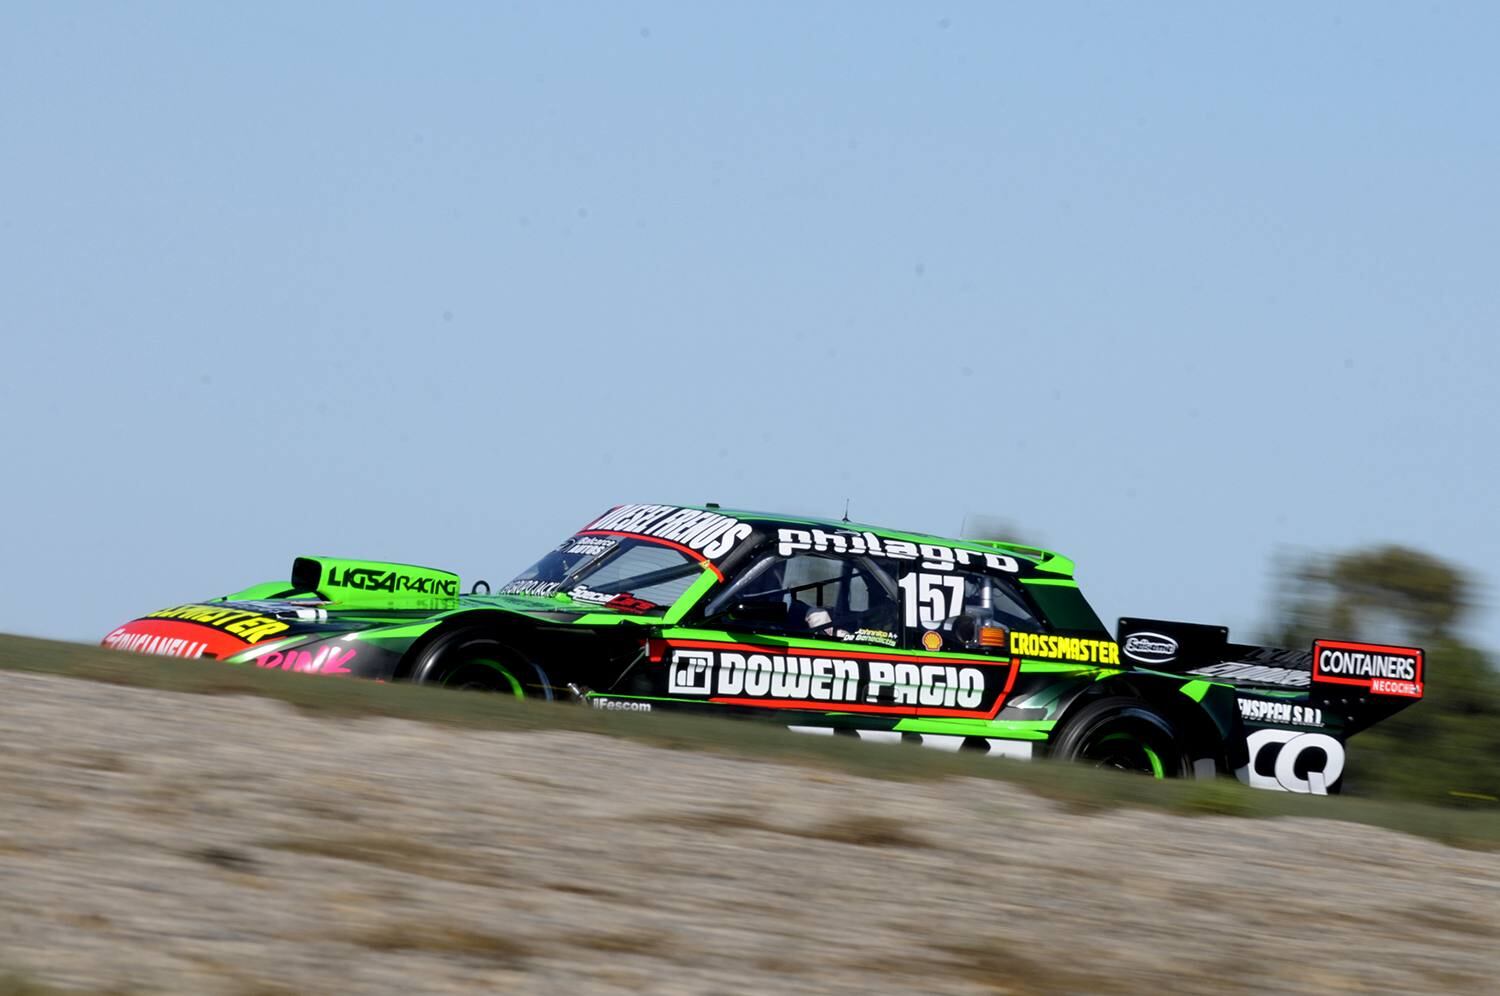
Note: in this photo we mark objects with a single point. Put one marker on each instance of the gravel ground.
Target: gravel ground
(154, 842)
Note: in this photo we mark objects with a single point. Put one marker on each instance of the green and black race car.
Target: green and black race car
(826, 627)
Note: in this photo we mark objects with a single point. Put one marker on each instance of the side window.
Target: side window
(960, 610)
(854, 599)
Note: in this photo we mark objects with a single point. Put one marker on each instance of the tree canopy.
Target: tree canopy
(1445, 748)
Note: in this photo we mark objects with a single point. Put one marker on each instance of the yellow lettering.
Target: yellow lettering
(240, 626)
(266, 627)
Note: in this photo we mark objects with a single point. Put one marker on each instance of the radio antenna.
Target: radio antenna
(846, 509)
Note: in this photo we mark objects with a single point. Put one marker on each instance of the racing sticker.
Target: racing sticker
(245, 624)
(170, 638)
(1279, 713)
(392, 581)
(1289, 761)
(1077, 650)
(531, 587)
(928, 600)
(1151, 648)
(934, 556)
(710, 535)
(867, 634)
(842, 681)
(619, 601)
(618, 705)
(329, 659)
(1255, 674)
(590, 546)
(1379, 669)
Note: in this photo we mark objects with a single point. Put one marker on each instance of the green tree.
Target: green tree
(1445, 748)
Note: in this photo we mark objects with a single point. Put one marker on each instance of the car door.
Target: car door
(812, 638)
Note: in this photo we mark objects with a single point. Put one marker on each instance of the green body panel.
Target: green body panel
(1008, 729)
(1195, 690)
(376, 584)
(691, 597)
(261, 592)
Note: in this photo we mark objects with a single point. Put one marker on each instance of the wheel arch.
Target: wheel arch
(504, 626)
(1195, 722)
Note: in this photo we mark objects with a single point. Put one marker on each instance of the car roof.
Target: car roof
(1036, 558)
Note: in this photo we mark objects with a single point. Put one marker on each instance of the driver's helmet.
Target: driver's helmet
(816, 619)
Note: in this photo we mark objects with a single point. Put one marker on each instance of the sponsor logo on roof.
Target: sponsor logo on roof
(934, 556)
(709, 534)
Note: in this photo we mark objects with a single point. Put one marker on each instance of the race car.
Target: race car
(826, 627)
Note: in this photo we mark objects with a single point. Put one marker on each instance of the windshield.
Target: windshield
(626, 574)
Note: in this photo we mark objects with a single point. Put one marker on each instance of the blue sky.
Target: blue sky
(1170, 287)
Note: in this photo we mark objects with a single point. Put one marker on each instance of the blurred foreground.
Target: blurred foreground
(159, 842)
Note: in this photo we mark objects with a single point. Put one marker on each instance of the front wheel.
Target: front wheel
(1124, 735)
(472, 660)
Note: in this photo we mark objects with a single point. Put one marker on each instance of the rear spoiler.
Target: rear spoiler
(1365, 682)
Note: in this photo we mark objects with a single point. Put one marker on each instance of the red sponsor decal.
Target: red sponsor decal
(1379, 669)
(625, 602)
(169, 638)
(325, 660)
(1384, 686)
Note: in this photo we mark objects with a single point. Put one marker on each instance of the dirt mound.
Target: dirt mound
(158, 842)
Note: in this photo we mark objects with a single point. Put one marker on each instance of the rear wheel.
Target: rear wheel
(472, 660)
(1124, 735)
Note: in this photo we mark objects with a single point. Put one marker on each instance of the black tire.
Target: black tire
(474, 660)
(1126, 735)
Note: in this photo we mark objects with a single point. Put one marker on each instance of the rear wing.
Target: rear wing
(1362, 682)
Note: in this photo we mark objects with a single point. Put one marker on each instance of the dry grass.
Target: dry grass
(227, 858)
(580, 889)
(88, 921)
(449, 939)
(633, 942)
(866, 831)
(713, 820)
(996, 965)
(411, 857)
(96, 760)
(18, 984)
(860, 831)
(1428, 917)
